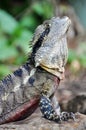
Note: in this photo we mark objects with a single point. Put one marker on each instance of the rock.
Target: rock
(37, 122)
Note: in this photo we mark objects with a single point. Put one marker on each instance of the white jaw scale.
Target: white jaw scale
(56, 72)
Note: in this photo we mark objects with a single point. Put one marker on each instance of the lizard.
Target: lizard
(35, 82)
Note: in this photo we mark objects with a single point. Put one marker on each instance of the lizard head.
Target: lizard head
(50, 45)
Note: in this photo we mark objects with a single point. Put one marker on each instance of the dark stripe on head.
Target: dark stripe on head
(18, 72)
(39, 42)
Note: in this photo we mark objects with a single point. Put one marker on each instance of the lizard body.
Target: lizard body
(36, 81)
(21, 92)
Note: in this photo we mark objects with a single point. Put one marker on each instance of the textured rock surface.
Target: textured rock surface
(37, 122)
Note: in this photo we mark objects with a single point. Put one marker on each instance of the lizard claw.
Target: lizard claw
(64, 116)
(72, 116)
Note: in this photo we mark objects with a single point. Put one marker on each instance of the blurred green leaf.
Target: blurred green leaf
(38, 8)
(7, 23)
(23, 40)
(3, 42)
(4, 70)
(7, 53)
(43, 8)
(48, 9)
(71, 55)
(29, 22)
(20, 60)
(81, 54)
(82, 60)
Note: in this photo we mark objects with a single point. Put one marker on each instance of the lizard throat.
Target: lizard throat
(55, 72)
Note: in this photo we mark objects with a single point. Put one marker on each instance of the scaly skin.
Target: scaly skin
(36, 82)
(20, 92)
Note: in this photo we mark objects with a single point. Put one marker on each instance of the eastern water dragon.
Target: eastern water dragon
(35, 82)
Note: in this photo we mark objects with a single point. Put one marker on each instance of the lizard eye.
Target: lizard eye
(47, 24)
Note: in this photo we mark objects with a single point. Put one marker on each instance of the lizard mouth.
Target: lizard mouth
(53, 71)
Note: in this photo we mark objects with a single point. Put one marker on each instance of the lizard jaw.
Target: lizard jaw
(54, 72)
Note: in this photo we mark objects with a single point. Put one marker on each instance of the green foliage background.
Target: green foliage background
(18, 20)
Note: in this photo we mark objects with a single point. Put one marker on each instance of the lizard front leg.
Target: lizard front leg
(47, 110)
(51, 110)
